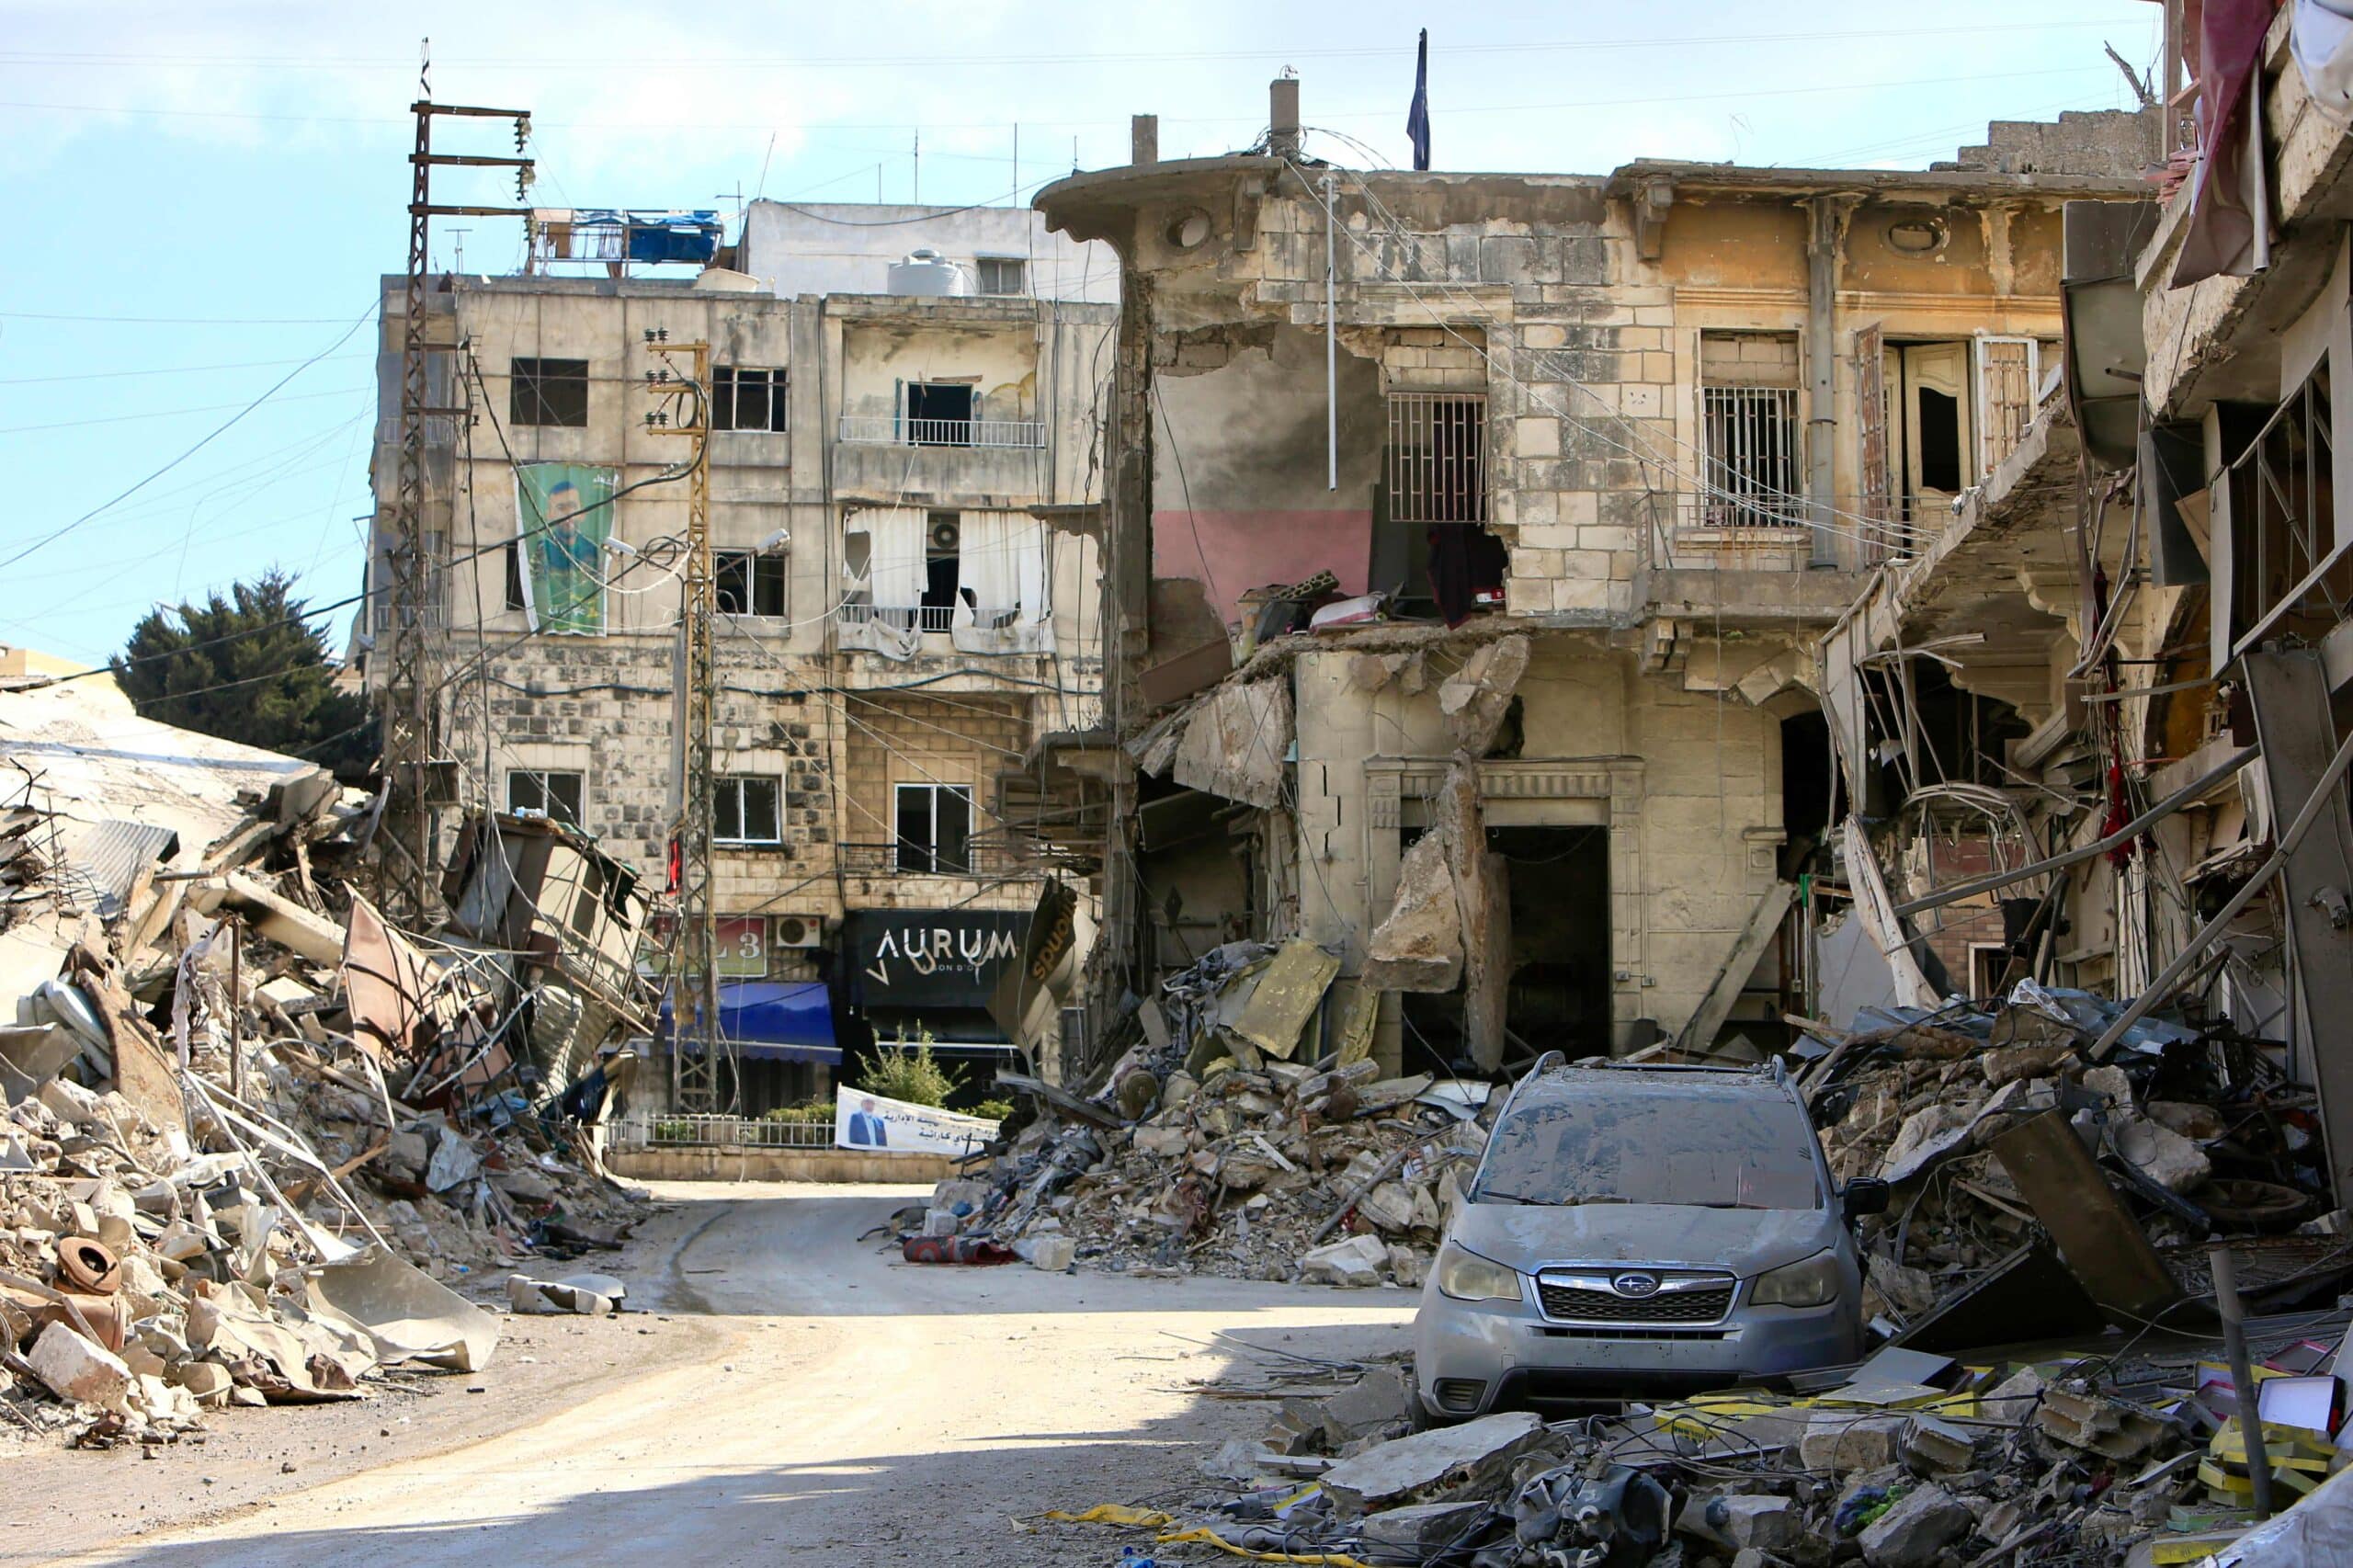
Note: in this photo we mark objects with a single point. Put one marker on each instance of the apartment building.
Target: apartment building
(1509, 512)
(904, 453)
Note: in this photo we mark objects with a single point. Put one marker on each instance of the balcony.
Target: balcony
(989, 858)
(1749, 559)
(913, 617)
(890, 430)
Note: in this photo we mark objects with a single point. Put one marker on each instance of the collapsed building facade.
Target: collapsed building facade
(1579, 471)
(903, 432)
(2152, 590)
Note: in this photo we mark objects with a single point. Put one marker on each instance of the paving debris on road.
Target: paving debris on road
(258, 1142)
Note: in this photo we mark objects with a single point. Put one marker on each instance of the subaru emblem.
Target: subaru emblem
(1635, 1285)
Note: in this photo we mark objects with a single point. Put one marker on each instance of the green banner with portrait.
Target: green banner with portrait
(563, 514)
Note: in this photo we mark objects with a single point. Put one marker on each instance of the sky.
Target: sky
(207, 192)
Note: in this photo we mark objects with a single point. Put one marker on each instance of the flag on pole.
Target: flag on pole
(1418, 119)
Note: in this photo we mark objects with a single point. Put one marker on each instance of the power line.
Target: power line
(208, 439)
(171, 413)
(179, 321)
(162, 370)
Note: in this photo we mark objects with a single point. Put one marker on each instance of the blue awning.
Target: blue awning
(773, 1020)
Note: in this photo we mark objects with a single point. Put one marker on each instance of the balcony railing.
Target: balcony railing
(980, 858)
(648, 1129)
(890, 430)
(913, 617)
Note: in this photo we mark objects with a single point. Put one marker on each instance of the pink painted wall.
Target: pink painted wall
(1232, 552)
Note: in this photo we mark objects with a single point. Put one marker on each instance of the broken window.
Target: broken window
(932, 824)
(1000, 275)
(746, 399)
(2285, 570)
(1437, 445)
(513, 558)
(749, 581)
(1748, 405)
(538, 791)
(548, 392)
(745, 809)
(940, 413)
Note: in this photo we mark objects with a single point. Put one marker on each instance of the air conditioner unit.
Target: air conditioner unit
(798, 931)
(947, 535)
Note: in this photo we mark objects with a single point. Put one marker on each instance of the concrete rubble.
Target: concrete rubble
(1256, 1140)
(1842, 1465)
(256, 1146)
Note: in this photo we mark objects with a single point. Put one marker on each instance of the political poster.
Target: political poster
(563, 514)
(869, 1121)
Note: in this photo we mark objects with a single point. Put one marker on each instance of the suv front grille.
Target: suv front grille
(1570, 1303)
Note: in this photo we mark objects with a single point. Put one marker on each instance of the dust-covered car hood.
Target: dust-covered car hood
(1746, 1240)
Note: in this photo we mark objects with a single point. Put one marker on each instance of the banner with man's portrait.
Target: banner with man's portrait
(563, 515)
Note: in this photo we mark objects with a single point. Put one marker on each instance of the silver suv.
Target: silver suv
(1636, 1230)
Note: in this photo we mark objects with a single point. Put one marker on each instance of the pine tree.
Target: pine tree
(247, 668)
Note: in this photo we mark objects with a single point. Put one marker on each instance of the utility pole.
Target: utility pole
(412, 592)
(683, 408)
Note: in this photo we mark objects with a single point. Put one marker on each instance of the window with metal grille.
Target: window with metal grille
(548, 392)
(1437, 446)
(546, 792)
(748, 582)
(746, 399)
(1000, 275)
(745, 809)
(1751, 465)
(933, 826)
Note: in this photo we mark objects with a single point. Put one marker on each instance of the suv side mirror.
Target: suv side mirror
(1865, 1195)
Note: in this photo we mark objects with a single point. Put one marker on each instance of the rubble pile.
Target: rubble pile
(1908, 1461)
(250, 1135)
(1251, 1137)
(2186, 1137)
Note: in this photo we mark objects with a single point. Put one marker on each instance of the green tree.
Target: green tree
(247, 668)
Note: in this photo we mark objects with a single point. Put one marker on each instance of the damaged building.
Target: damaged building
(904, 450)
(1472, 544)
(2093, 726)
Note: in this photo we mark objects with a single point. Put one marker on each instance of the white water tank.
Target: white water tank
(928, 272)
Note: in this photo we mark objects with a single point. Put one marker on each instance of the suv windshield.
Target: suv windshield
(1653, 1143)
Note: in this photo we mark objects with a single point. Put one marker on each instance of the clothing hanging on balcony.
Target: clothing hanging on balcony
(2322, 38)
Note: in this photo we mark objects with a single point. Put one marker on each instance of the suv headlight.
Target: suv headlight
(1810, 1283)
(1467, 1277)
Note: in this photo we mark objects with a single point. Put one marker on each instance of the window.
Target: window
(513, 556)
(743, 399)
(545, 792)
(2006, 373)
(749, 581)
(548, 392)
(1438, 458)
(744, 809)
(934, 825)
(1748, 408)
(1001, 275)
(940, 413)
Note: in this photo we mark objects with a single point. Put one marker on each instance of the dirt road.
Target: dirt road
(851, 1409)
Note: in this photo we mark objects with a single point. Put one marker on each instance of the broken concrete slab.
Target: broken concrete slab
(1741, 1521)
(1235, 743)
(1838, 1441)
(2104, 1246)
(1413, 1532)
(1476, 698)
(524, 1294)
(1355, 1261)
(1373, 1404)
(1920, 1525)
(1419, 946)
(77, 1371)
(1426, 1464)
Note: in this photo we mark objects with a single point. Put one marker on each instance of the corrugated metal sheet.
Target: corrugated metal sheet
(104, 858)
